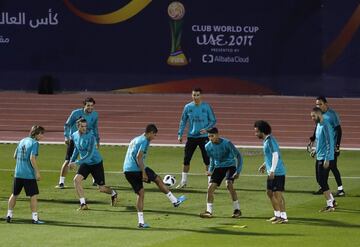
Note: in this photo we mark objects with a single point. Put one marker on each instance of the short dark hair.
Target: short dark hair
(197, 89)
(213, 130)
(151, 128)
(35, 130)
(88, 99)
(80, 120)
(322, 98)
(317, 109)
(263, 126)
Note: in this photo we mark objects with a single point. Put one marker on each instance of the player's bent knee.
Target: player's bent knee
(103, 188)
(78, 178)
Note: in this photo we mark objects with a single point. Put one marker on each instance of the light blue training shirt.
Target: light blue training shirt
(26, 148)
(199, 117)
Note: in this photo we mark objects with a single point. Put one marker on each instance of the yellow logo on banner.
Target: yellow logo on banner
(122, 14)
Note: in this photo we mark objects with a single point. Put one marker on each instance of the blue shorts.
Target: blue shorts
(135, 178)
(30, 186)
(276, 184)
(221, 172)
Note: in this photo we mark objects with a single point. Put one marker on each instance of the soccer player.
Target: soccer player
(324, 151)
(136, 172)
(225, 162)
(333, 118)
(27, 172)
(274, 166)
(201, 118)
(90, 161)
(91, 116)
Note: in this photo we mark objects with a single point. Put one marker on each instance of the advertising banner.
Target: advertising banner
(290, 47)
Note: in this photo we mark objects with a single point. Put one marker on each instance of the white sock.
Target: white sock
(340, 187)
(113, 192)
(82, 200)
(283, 215)
(10, 213)
(277, 213)
(35, 216)
(209, 207)
(209, 178)
(171, 197)
(236, 204)
(141, 217)
(62, 180)
(184, 176)
(331, 196)
(329, 202)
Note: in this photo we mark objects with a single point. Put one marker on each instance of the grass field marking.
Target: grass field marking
(178, 145)
(191, 174)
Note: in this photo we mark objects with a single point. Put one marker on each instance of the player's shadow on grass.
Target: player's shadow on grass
(264, 191)
(68, 201)
(156, 189)
(245, 232)
(172, 211)
(299, 191)
(348, 210)
(209, 230)
(322, 222)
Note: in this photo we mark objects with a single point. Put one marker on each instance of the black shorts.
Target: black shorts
(323, 174)
(276, 184)
(190, 147)
(69, 150)
(221, 172)
(135, 178)
(30, 186)
(97, 171)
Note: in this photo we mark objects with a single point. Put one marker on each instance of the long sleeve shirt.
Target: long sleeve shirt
(223, 154)
(199, 117)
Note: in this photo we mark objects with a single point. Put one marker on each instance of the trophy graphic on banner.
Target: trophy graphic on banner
(176, 11)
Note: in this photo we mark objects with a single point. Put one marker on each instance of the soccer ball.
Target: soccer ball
(169, 180)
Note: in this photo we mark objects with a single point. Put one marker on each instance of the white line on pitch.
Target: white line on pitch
(174, 173)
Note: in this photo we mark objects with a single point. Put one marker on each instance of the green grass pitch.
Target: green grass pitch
(104, 225)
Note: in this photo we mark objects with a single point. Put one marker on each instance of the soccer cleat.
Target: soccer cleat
(8, 219)
(60, 186)
(37, 222)
(181, 185)
(327, 209)
(272, 219)
(83, 207)
(180, 200)
(114, 199)
(280, 220)
(319, 192)
(276, 220)
(143, 226)
(340, 193)
(236, 214)
(206, 214)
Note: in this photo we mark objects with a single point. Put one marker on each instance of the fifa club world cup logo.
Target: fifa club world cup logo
(176, 12)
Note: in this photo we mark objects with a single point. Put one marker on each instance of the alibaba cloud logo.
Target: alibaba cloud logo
(207, 58)
(122, 14)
